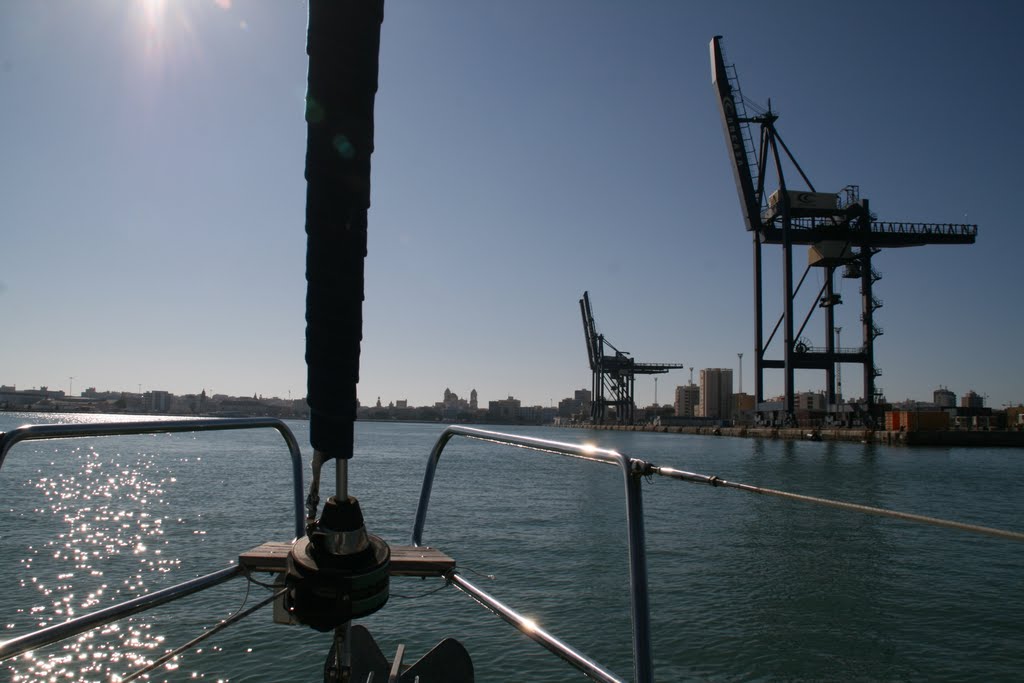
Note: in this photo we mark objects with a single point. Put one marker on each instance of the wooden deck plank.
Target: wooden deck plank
(406, 560)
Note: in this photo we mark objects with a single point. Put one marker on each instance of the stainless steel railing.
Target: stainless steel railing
(72, 627)
(632, 471)
(52, 431)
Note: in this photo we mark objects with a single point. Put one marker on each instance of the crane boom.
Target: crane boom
(612, 374)
(590, 332)
(842, 232)
(733, 125)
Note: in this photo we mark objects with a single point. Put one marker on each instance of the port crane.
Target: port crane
(839, 229)
(614, 373)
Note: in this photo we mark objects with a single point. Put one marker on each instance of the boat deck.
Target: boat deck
(406, 560)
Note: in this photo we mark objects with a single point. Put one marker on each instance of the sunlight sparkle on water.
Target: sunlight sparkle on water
(104, 508)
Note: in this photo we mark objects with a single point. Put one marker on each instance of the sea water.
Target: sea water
(743, 587)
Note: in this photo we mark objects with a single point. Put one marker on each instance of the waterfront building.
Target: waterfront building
(507, 409)
(687, 400)
(944, 398)
(577, 407)
(11, 397)
(159, 401)
(810, 401)
(716, 393)
(972, 400)
(453, 406)
(92, 393)
(1015, 417)
(911, 404)
(535, 414)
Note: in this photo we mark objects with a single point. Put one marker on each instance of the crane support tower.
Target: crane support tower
(613, 373)
(840, 231)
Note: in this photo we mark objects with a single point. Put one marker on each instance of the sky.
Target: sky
(152, 192)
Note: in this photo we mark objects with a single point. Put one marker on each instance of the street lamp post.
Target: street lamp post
(741, 373)
(839, 374)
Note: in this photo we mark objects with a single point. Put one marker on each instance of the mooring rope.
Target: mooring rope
(842, 505)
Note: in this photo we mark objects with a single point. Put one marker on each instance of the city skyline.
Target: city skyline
(446, 394)
(525, 153)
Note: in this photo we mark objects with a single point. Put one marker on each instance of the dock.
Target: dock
(959, 438)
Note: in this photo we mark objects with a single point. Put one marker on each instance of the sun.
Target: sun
(169, 25)
(165, 38)
(151, 27)
(166, 30)
(153, 14)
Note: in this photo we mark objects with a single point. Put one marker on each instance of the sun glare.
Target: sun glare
(154, 13)
(152, 27)
(167, 29)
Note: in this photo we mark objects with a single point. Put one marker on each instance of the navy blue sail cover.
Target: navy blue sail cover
(343, 44)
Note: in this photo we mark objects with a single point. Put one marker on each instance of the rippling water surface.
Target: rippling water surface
(742, 587)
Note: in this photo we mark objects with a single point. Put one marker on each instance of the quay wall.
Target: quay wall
(892, 438)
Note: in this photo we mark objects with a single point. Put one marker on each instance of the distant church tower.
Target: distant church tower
(472, 400)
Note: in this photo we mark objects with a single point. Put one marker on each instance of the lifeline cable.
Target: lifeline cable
(420, 595)
(828, 502)
(238, 616)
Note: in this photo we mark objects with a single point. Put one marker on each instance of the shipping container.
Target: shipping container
(916, 420)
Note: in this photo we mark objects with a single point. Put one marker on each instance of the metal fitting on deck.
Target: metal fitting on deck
(338, 572)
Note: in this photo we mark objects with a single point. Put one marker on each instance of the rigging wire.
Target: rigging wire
(236, 617)
(248, 575)
(842, 505)
(751, 104)
(489, 577)
(421, 595)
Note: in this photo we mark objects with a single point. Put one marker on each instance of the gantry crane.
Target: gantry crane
(838, 226)
(613, 374)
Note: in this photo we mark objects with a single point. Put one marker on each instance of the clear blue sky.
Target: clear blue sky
(151, 190)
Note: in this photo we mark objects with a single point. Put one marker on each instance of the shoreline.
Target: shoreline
(889, 438)
(1002, 438)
